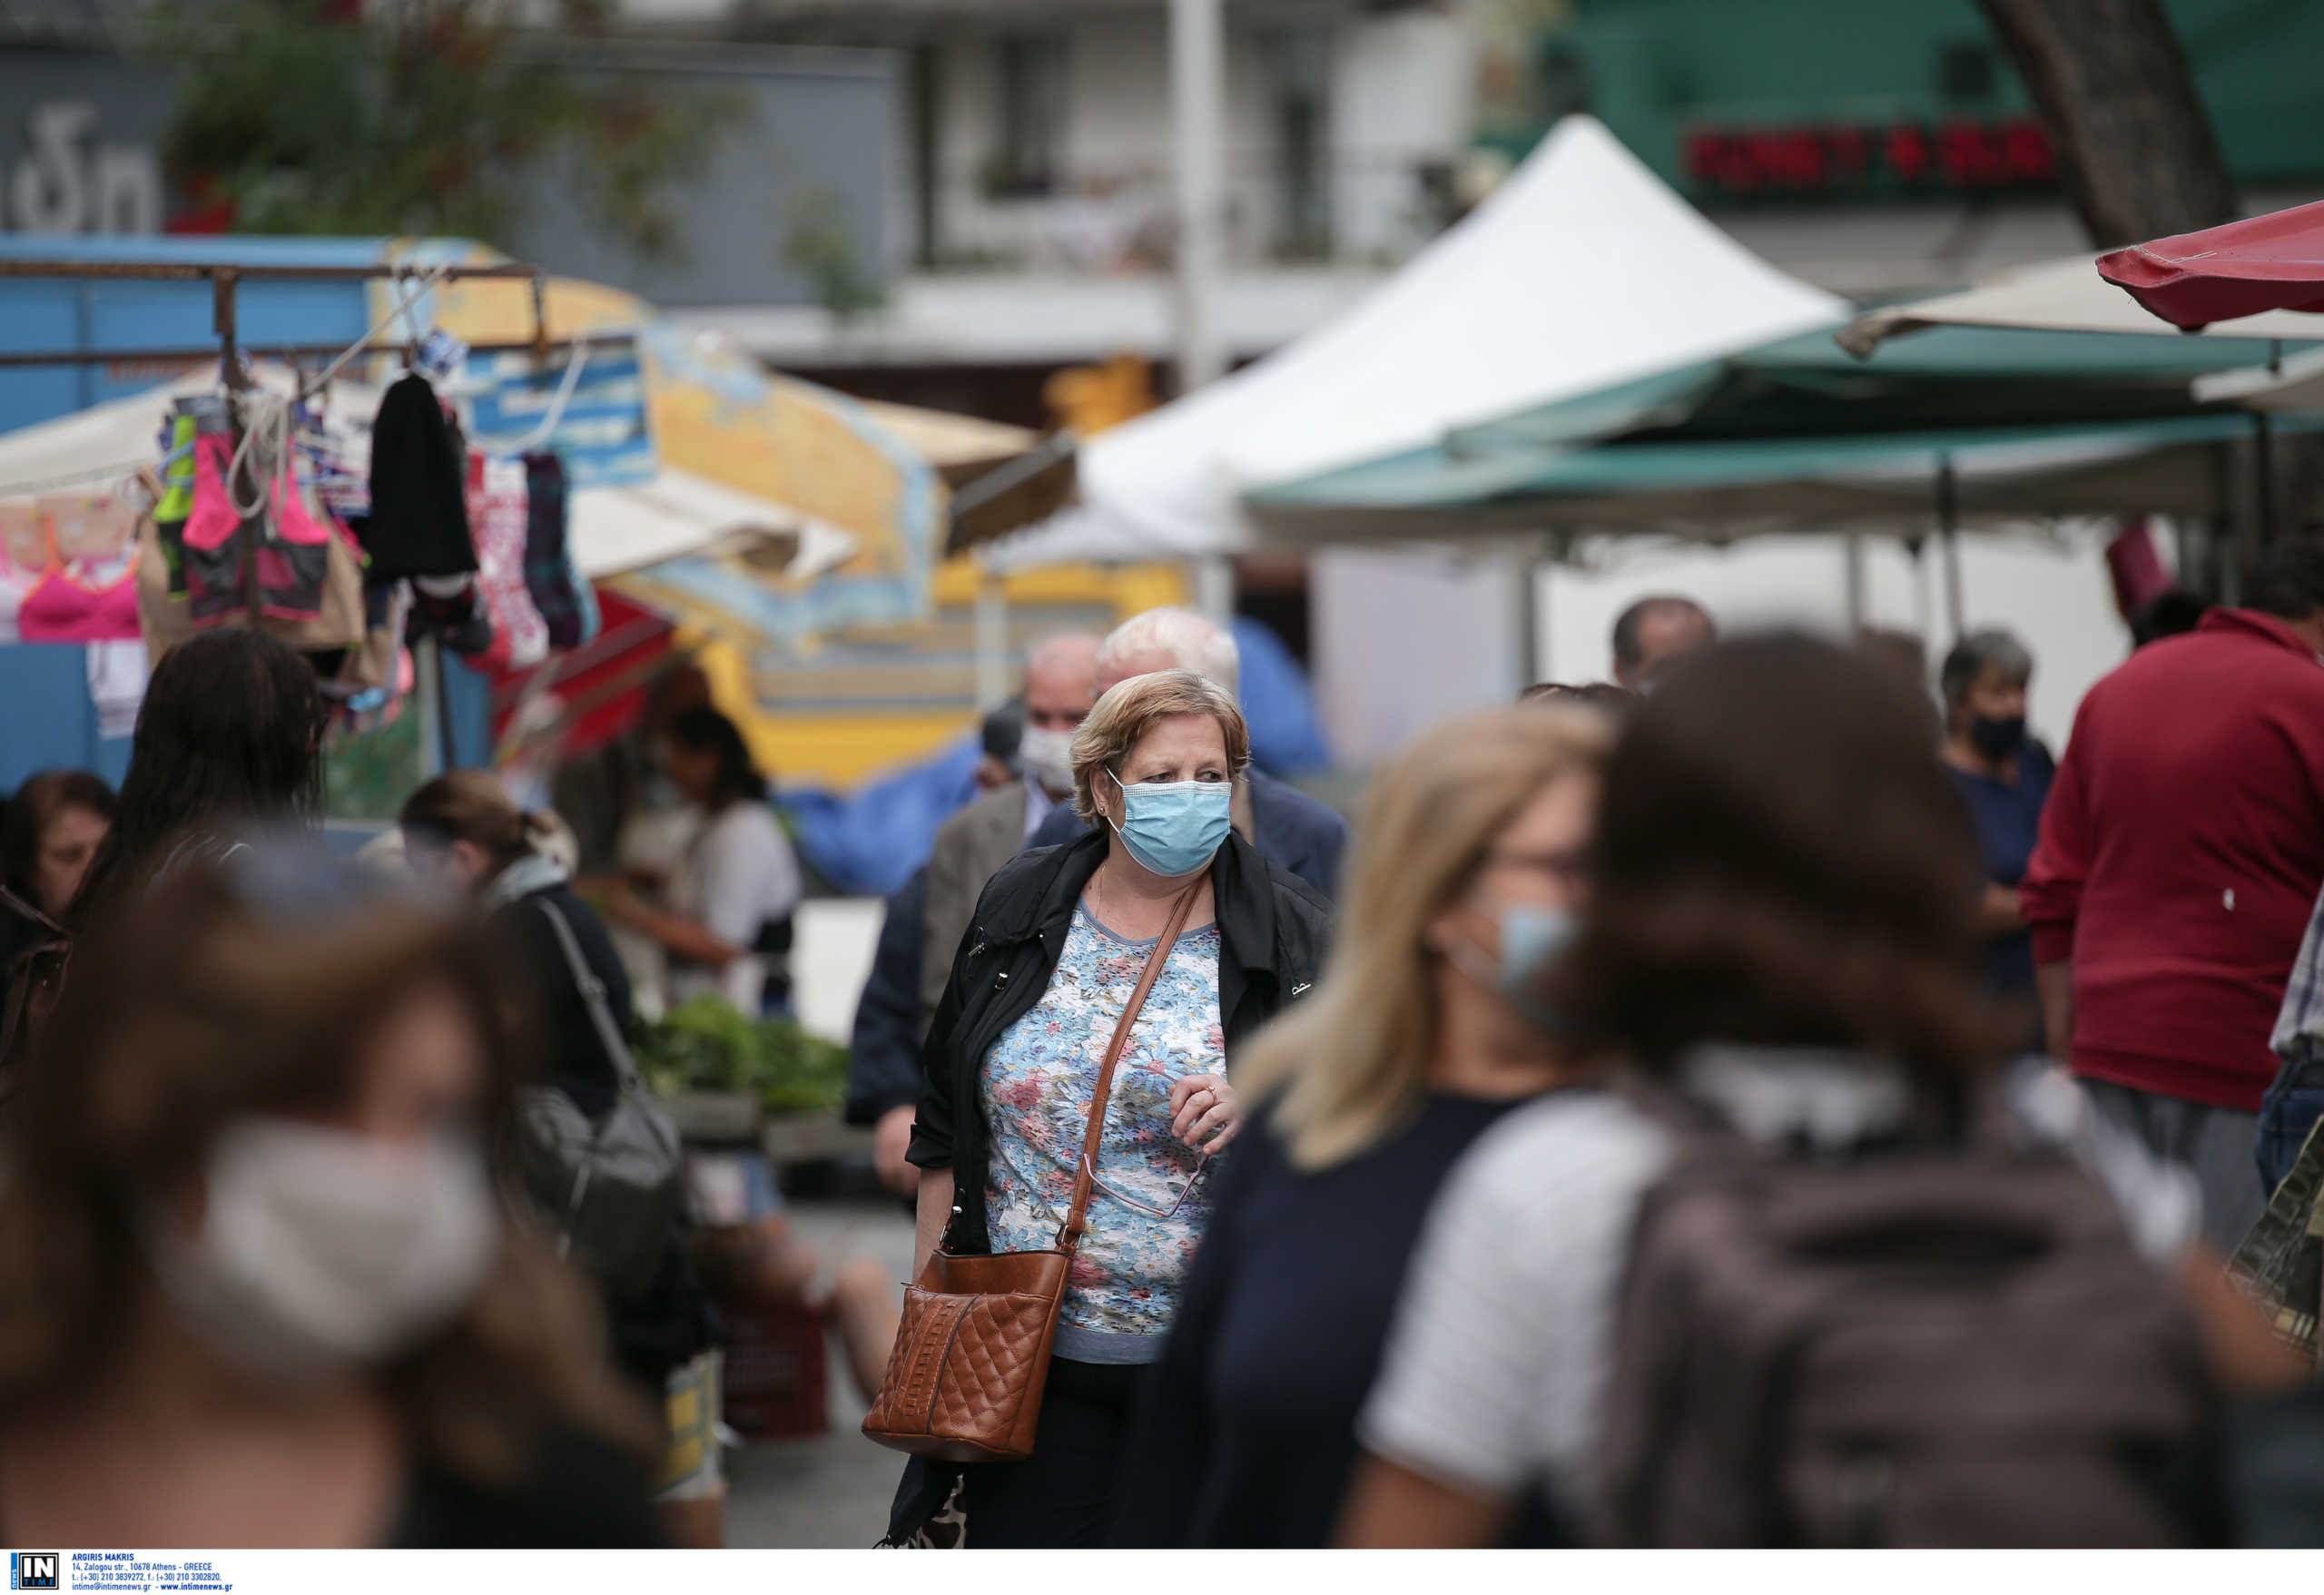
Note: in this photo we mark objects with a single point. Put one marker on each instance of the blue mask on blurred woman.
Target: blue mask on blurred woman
(1172, 827)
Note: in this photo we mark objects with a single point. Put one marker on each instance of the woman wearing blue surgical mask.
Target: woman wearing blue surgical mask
(1425, 1030)
(257, 1284)
(1054, 953)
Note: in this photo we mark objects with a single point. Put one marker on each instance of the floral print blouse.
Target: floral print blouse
(1037, 1083)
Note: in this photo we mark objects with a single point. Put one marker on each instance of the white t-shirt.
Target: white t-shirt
(740, 873)
(1497, 1368)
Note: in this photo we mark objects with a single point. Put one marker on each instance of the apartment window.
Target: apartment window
(1302, 75)
(1029, 79)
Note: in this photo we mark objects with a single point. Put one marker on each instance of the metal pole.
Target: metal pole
(1215, 589)
(1197, 96)
(1924, 596)
(1197, 100)
(1948, 526)
(1853, 565)
(427, 668)
(2263, 471)
(1532, 618)
(992, 630)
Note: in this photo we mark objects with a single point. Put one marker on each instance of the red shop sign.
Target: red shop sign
(1907, 157)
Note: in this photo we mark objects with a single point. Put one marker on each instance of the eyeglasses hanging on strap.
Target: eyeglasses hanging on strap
(1192, 1179)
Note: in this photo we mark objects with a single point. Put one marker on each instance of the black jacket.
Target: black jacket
(1272, 927)
(883, 1061)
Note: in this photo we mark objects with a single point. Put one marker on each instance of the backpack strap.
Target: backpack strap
(593, 996)
(18, 979)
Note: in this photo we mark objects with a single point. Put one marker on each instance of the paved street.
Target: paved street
(831, 1492)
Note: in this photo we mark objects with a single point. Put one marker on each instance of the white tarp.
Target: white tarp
(613, 529)
(2056, 296)
(1583, 270)
(2296, 384)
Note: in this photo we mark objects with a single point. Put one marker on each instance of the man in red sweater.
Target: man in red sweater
(2180, 855)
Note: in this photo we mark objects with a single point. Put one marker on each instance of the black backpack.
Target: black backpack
(1906, 1345)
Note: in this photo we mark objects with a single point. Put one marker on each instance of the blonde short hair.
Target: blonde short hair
(1351, 1061)
(1124, 715)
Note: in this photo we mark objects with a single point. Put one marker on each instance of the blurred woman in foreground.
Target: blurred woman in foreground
(1421, 1035)
(1780, 939)
(256, 1286)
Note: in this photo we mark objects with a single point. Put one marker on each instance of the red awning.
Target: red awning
(600, 690)
(2271, 262)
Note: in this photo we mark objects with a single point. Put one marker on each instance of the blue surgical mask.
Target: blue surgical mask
(1532, 937)
(1172, 827)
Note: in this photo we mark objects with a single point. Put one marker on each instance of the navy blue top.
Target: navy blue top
(2009, 823)
(1249, 1436)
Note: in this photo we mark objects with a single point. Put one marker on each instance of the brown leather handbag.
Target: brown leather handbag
(972, 1357)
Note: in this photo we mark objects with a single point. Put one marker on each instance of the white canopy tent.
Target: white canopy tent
(1581, 271)
(613, 529)
(2056, 296)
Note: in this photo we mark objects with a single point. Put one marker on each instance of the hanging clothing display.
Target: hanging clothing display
(24, 560)
(269, 557)
(419, 523)
(566, 602)
(498, 517)
(68, 569)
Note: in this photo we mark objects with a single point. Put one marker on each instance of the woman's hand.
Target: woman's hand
(1204, 1113)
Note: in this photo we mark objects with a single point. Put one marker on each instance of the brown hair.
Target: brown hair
(472, 806)
(1124, 715)
(1780, 860)
(25, 820)
(1355, 1054)
(252, 1010)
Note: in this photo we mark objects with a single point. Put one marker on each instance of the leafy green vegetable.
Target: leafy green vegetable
(706, 1044)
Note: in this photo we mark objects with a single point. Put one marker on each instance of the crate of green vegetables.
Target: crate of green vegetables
(723, 1068)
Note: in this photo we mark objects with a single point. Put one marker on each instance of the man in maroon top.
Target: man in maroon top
(2180, 855)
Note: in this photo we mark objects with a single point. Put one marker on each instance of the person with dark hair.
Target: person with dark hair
(2180, 853)
(1779, 940)
(732, 901)
(462, 832)
(2004, 775)
(2172, 613)
(252, 1251)
(1655, 630)
(229, 736)
(50, 833)
(1001, 734)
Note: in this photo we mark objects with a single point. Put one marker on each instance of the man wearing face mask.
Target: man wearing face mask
(1293, 831)
(2003, 776)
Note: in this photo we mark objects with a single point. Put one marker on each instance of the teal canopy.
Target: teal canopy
(1796, 434)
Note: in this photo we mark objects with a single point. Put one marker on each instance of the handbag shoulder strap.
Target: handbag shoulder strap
(593, 996)
(1084, 1177)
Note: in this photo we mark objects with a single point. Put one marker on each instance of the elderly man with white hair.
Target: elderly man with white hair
(1292, 829)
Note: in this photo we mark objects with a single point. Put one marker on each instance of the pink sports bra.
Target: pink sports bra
(94, 603)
